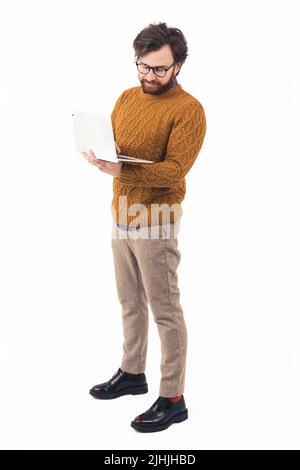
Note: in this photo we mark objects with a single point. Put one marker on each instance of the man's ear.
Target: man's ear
(177, 68)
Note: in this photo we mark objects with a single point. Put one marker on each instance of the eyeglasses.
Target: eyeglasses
(158, 71)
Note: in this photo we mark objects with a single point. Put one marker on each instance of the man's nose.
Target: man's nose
(150, 75)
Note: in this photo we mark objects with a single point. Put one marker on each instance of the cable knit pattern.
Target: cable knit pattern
(168, 128)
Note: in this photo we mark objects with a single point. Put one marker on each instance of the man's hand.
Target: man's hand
(111, 168)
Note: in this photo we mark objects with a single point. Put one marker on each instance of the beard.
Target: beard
(156, 88)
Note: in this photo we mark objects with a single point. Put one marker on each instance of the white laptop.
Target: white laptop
(93, 131)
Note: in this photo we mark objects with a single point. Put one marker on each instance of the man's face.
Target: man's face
(162, 58)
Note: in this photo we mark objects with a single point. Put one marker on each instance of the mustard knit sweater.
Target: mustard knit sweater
(167, 128)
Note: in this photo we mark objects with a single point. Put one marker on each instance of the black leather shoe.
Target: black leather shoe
(120, 384)
(161, 415)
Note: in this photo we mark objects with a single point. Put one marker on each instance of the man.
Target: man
(157, 121)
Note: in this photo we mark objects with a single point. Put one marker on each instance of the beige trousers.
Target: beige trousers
(146, 272)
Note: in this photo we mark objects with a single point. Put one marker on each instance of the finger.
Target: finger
(114, 165)
(117, 148)
(101, 165)
(92, 153)
(88, 156)
(93, 159)
(101, 160)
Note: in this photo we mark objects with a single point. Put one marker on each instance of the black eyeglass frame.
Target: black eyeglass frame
(149, 68)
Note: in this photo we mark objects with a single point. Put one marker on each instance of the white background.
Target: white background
(61, 326)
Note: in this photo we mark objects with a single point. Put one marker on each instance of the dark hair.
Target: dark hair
(154, 36)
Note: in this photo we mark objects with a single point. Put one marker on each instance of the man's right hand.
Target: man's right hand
(112, 168)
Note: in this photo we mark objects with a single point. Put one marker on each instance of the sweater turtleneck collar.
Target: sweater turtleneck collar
(173, 83)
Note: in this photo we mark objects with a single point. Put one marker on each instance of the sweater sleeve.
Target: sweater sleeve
(184, 144)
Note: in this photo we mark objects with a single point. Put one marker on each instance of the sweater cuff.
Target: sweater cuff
(128, 175)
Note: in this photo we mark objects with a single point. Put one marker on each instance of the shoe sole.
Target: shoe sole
(160, 427)
(137, 390)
